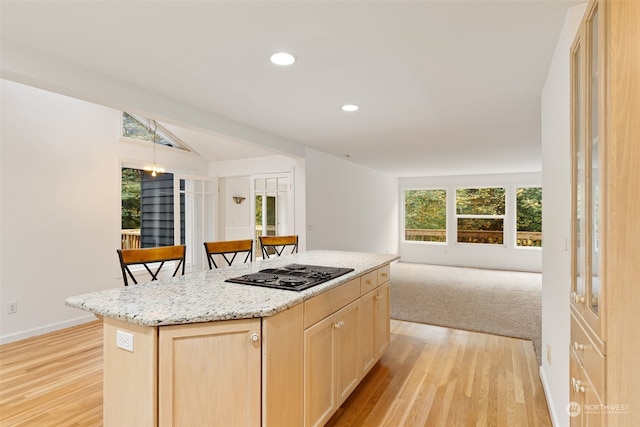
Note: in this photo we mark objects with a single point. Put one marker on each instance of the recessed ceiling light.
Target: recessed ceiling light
(350, 107)
(283, 58)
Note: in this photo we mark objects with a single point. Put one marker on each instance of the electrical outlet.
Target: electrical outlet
(549, 353)
(13, 307)
(124, 340)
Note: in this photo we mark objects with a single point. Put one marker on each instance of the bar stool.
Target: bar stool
(277, 245)
(228, 247)
(162, 254)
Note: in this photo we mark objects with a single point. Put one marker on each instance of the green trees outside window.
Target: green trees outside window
(131, 179)
(529, 216)
(425, 215)
(480, 215)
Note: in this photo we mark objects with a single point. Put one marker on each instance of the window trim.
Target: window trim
(177, 143)
(503, 216)
(515, 217)
(509, 218)
(178, 173)
(404, 216)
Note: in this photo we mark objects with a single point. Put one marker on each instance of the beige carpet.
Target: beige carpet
(493, 301)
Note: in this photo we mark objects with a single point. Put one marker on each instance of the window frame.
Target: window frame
(176, 143)
(286, 211)
(515, 217)
(404, 216)
(178, 174)
(503, 217)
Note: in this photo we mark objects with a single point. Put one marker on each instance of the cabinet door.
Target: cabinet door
(319, 373)
(368, 349)
(374, 326)
(578, 205)
(209, 374)
(585, 406)
(587, 67)
(593, 414)
(383, 312)
(347, 346)
(594, 69)
(576, 399)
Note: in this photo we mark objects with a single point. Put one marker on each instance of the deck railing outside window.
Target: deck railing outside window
(130, 239)
(524, 238)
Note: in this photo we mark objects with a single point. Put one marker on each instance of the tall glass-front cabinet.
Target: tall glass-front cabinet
(605, 286)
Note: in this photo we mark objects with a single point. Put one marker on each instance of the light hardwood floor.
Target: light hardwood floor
(429, 376)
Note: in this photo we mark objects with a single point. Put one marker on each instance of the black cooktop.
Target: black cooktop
(292, 277)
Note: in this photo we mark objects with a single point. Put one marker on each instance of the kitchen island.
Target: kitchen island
(196, 350)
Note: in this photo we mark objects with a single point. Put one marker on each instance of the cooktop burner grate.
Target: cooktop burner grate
(293, 280)
(260, 277)
(294, 277)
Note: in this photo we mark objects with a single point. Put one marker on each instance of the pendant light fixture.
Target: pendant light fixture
(154, 168)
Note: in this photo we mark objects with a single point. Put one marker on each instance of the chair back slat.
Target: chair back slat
(146, 256)
(278, 244)
(228, 247)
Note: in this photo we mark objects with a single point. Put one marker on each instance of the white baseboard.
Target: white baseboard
(40, 330)
(552, 408)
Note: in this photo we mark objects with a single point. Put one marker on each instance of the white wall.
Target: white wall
(507, 257)
(60, 198)
(235, 219)
(236, 174)
(556, 222)
(349, 207)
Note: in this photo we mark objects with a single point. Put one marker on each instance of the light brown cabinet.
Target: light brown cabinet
(585, 407)
(383, 313)
(347, 334)
(375, 326)
(342, 346)
(332, 363)
(292, 368)
(210, 371)
(605, 296)
(588, 295)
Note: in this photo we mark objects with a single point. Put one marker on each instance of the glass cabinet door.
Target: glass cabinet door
(593, 144)
(578, 175)
(587, 154)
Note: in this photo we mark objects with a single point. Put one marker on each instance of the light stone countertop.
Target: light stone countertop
(205, 296)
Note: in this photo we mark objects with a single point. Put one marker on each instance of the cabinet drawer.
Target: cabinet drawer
(582, 392)
(321, 306)
(369, 282)
(588, 354)
(384, 273)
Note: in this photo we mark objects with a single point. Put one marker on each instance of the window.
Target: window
(168, 209)
(425, 215)
(147, 209)
(272, 206)
(529, 216)
(141, 129)
(480, 215)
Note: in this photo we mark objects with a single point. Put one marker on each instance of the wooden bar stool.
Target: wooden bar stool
(228, 247)
(162, 254)
(277, 245)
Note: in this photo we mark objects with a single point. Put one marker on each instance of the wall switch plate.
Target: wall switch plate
(13, 307)
(124, 340)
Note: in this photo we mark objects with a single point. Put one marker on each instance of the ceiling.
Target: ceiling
(444, 87)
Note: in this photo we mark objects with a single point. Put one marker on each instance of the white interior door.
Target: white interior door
(195, 206)
(272, 205)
